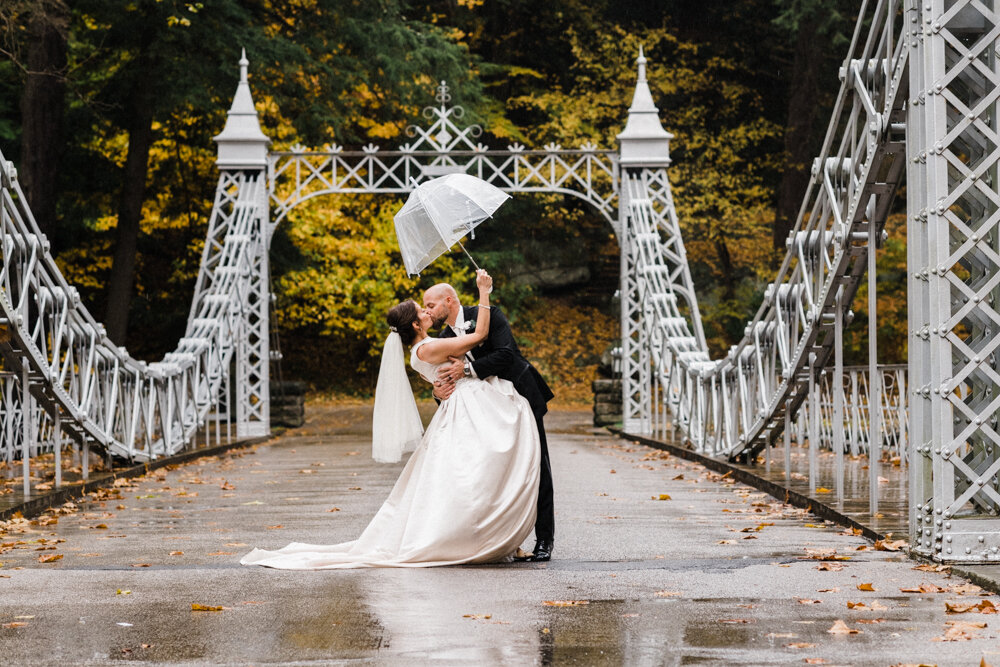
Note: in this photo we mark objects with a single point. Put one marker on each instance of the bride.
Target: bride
(468, 493)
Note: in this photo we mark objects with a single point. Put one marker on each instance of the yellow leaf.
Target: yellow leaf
(200, 607)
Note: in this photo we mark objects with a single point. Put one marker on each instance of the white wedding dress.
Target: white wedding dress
(467, 495)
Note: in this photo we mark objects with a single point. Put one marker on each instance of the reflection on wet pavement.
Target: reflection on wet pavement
(657, 562)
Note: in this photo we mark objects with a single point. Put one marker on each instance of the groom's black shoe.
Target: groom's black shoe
(542, 552)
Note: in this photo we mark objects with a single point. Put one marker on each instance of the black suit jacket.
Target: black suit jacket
(499, 355)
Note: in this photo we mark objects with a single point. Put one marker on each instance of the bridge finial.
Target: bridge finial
(244, 63)
(242, 144)
(644, 142)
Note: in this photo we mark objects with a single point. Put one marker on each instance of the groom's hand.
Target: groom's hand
(443, 389)
(453, 370)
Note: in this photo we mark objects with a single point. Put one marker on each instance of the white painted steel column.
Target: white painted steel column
(874, 376)
(26, 424)
(838, 395)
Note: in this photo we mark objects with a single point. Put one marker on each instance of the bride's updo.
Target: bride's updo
(401, 318)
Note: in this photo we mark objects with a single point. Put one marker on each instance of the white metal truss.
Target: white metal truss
(94, 390)
(954, 279)
(736, 405)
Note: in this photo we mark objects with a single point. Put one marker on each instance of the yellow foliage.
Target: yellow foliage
(565, 343)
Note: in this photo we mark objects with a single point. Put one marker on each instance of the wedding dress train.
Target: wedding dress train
(467, 495)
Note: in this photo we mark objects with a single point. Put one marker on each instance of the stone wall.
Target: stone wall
(607, 402)
(288, 404)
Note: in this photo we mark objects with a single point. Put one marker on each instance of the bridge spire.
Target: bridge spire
(644, 142)
(242, 144)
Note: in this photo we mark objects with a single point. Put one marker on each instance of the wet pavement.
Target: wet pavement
(657, 562)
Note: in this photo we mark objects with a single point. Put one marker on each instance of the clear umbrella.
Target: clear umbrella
(438, 213)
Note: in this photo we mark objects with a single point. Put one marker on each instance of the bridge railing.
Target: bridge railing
(63, 379)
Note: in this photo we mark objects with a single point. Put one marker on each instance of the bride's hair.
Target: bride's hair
(401, 318)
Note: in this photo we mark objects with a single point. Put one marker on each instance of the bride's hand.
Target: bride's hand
(483, 280)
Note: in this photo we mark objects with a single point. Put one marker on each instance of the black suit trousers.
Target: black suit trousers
(545, 522)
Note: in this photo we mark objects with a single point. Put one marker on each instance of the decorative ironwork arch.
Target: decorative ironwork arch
(588, 172)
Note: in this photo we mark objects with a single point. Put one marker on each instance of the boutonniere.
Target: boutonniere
(468, 326)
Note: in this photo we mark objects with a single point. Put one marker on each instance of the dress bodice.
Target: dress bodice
(428, 371)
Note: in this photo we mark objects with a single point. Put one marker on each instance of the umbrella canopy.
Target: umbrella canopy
(439, 212)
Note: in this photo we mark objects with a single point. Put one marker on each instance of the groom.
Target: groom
(497, 355)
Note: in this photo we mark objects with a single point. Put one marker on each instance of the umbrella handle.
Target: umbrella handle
(468, 255)
(471, 260)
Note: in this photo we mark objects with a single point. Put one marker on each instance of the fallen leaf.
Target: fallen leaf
(200, 607)
(663, 496)
(865, 587)
(808, 601)
(840, 628)
(815, 661)
(924, 587)
(613, 471)
(890, 545)
(959, 631)
(869, 621)
(930, 567)
(565, 603)
(800, 645)
(983, 607)
(176, 553)
(354, 488)
(829, 567)
(966, 589)
(276, 527)
(477, 616)
(15, 624)
(828, 590)
(121, 592)
(49, 558)
(333, 509)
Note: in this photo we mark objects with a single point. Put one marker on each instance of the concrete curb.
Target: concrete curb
(744, 475)
(40, 503)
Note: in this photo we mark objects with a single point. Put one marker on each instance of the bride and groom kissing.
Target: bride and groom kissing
(479, 478)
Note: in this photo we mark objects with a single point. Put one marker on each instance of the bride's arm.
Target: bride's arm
(440, 349)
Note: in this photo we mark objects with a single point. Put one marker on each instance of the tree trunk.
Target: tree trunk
(42, 110)
(140, 139)
(726, 265)
(803, 107)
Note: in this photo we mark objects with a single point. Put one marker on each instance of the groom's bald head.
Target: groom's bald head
(441, 301)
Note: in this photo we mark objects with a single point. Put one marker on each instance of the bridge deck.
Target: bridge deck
(719, 573)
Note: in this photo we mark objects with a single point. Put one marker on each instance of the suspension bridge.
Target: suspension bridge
(917, 105)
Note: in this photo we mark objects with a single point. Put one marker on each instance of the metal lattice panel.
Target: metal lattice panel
(955, 281)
